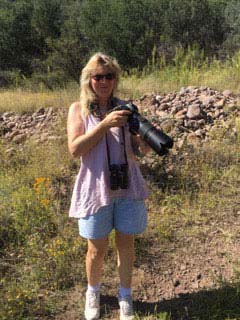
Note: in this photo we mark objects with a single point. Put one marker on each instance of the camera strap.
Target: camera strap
(124, 149)
(95, 110)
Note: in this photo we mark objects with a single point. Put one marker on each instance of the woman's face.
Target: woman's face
(102, 82)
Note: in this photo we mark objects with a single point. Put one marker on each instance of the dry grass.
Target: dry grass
(188, 69)
(21, 101)
(36, 182)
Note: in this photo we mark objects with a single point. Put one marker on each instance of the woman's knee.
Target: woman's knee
(97, 248)
(124, 242)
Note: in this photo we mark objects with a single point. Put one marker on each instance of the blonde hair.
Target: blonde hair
(87, 95)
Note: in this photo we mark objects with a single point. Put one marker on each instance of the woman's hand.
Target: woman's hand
(116, 118)
(80, 142)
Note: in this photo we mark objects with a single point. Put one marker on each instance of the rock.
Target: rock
(181, 114)
(194, 140)
(20, 138)
(187, 116)
(206, 100)
(227, 93)
(7, 115)
(219, 104)
(167, 125)
(176, 283)
(182, 91)
(158, 98)
(162, 114)
(163, 106)
(194, 111)
(142, 97)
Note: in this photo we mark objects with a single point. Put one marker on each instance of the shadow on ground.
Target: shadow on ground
(216, 304)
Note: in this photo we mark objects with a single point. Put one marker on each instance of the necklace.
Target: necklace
(96, 111)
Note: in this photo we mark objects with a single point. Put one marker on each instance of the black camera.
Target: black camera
(156, 139)
(118, 176)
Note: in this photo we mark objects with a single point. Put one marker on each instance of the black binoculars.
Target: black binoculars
(118, 176)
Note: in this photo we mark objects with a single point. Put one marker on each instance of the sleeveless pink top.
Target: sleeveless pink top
(92, 186)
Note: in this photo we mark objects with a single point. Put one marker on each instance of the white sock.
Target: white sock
(123, 292)
(93, 288)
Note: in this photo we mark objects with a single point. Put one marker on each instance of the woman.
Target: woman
(109, 191)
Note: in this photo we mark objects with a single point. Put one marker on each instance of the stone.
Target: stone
(206, 99)
(167, 125)
(158, 98)
(219, 104)
(12, 134)
(20, 138)
(187, 116)
(163, 106)
(182, 91)
(162, 114)
(227, 93)
(181, 114)
(194, 111)
(194, 140)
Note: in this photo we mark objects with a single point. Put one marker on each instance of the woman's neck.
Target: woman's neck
(104, 104)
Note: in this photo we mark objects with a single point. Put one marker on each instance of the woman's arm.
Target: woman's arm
(80, 142)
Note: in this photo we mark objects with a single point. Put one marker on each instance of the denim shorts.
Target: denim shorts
(127, 216)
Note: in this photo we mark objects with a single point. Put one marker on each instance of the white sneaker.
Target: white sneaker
(126, 308)
(92, 306)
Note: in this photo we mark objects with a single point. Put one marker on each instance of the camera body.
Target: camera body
(156, 139)
(118, 176)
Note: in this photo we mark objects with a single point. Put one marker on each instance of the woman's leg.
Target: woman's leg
(94, 260)
(126, 256)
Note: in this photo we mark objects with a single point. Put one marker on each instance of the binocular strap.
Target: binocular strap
(124, 149)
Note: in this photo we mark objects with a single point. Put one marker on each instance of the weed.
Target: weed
(41, 255)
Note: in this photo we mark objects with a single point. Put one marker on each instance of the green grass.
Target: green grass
(188, 68)
(41, 254)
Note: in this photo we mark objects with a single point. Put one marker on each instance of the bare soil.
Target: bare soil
(172, 275)
(180, 273)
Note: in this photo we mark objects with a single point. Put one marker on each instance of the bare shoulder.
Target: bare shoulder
(75, 120)
(74, 112)
(75, 108)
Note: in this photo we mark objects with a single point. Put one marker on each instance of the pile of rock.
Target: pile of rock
(38, 126)
(190, 114)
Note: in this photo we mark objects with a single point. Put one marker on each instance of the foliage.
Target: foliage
(188, 66)
(41, 255)
(70, 50)
(232, 17)
(38, 249)
(124, 29)
(53, 39)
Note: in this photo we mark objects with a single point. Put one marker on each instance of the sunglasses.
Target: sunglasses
(107, 76)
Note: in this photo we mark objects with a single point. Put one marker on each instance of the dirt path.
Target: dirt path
(175, 276)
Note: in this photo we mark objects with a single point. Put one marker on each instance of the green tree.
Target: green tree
(188, 22)
(71, 49)
(18, 41)
(48, 18)
(232, 17)
(124, 29)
